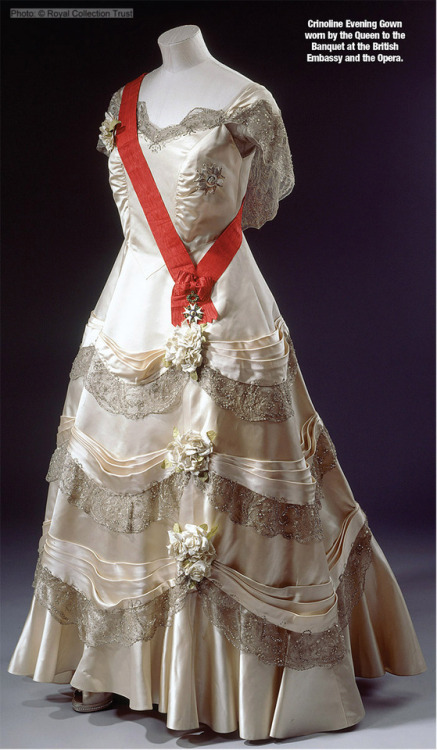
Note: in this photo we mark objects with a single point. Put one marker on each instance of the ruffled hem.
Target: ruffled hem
(205, 679)
(202, 680)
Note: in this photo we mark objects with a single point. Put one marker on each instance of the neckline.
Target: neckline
(194, 110)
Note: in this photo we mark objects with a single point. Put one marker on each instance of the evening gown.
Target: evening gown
(201, 549)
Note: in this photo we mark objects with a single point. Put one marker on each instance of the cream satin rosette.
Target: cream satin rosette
(107, 131)
(190, 452)
(193, 550)
(184, 348)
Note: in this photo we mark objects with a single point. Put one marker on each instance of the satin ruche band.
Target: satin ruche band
(198, 280)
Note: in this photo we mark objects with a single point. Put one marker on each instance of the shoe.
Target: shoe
(85, 702)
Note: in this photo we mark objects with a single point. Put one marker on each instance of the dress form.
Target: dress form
(188, 78)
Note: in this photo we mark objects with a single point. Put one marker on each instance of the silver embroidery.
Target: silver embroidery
(325, 456)
(126, 513)
(82, 362)
(132, 512)
(267, 516)
(353, 579)
(270, 643)
(209, 178)
(271, 176)
(96, 627)
(134, 401)
(57, 462)
(248, 401)
(246, 631)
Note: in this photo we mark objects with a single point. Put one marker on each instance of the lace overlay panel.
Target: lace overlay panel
(353, 579)
(270, 643)
(57, 462)
(82, 362)
(126, 513)
(134, 401)
(266, 516)
(272, 175)
(130, 513)
(248, 401)
(98, 627)
(325, 457)
(246, 631)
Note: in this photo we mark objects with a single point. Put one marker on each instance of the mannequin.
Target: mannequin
(188, 78)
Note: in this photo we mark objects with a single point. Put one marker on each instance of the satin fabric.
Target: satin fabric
(211, 682)
(190, 669)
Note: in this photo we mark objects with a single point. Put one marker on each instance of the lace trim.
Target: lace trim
(353, 579)
(98, 627)
(82, 362)
(126, 513)
(271, 176)
(248, 401)
(246, 631)
(134, 401)
(270, 643)
(57, 462)
(200, 118)
(325, 456)
(268, 517)
(130, 513)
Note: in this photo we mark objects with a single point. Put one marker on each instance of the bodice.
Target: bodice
(203, 167)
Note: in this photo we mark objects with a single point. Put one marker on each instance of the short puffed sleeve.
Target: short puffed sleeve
(106, 142)
(257, 123)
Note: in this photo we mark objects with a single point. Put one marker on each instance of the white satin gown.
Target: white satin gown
(297, 597)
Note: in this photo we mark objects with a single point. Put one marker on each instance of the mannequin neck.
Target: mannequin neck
(183, 48)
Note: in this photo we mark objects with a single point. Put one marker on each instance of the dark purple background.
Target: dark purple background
(350, 256)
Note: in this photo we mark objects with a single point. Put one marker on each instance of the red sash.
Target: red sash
(191, 295)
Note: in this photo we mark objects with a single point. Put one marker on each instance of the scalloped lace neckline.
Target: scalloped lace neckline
(194, 114)
(142, 104)
(197, 120)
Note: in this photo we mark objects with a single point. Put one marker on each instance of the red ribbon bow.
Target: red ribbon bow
(200, 287)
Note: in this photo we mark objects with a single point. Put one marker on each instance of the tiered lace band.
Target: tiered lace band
(248, 401)
(128, 623)
(132, 512)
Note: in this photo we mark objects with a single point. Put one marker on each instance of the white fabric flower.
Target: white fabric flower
(184, 348)
(191, 542)
(197, 568)
(107, 131)
(190, 452)
(193, 549)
